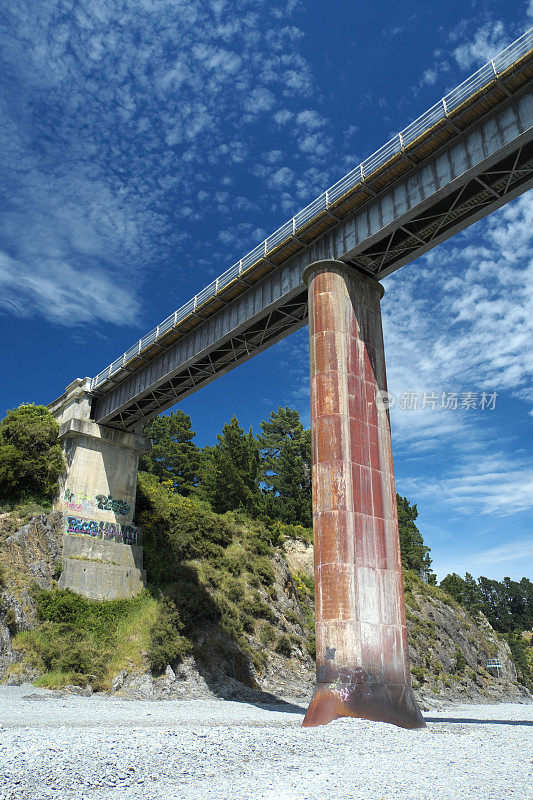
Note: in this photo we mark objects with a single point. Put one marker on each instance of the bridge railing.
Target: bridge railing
(483, 77)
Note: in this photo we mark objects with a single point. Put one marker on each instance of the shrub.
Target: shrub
(31, 460)
(283, 530)
(460, 661)
(419, 674)
(259, 659)
(248, 623)
(167, 645)
(283, 645)
(264, 570)
(267, 634)
(235, 589)
(195, 604)
(258, 609)
(10, 621)
(293, 618)
(177, 529)
(77, 637)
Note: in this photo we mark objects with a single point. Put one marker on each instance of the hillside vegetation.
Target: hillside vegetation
(230, 594)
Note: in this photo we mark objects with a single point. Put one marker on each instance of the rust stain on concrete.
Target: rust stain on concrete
(362, 653)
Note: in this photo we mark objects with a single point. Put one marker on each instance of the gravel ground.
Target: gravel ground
(79, 748)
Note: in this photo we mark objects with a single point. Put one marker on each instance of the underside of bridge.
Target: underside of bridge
(432, 223)
(415, 193)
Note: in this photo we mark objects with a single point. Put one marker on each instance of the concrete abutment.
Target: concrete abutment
(102, 548)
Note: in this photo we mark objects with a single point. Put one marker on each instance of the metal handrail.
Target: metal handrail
(485, 75)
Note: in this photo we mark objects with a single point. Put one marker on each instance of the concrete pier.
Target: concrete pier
(102, 549)
(362, 653)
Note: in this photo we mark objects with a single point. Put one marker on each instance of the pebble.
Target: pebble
(87, 749)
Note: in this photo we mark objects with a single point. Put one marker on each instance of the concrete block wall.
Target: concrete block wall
(102, 549)
(101, 570)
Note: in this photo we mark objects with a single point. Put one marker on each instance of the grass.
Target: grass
(83, 641)
(133, 635)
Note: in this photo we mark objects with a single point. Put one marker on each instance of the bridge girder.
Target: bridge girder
(488, 163)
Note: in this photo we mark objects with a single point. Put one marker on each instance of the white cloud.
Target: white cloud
(283, 117)
(482, 484)
(310, 119)
(429, 77)
(463, 314)
(116, 119)
(63, 294)
(513, 559)
(486, 43)
(460, 319)
(520, 550)
(261, 99)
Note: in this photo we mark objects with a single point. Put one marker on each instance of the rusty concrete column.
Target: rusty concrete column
(361, 638)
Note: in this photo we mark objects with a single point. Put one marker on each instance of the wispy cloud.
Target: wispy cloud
(115, 118)
(518, 550)
(513, 559)
(468, 45)
(461, 319)
(486, 42)
(467, 323)
(482, 483)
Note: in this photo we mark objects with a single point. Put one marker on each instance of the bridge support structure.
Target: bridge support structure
(362, 651)
(102, 549)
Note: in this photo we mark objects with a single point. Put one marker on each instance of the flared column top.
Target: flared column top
(333, 265)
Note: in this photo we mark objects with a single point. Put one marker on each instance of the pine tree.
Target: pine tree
(174, 456)
(465, 590)
(231, 471)
(414, 553)
(285, 448)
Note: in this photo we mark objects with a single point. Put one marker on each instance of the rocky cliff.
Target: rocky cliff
(450, 650)
(29, 554)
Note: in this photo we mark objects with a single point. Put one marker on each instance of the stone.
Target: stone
(118, 681)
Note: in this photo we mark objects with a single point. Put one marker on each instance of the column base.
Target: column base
(381, 702)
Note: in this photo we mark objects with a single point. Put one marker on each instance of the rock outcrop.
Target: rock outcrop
(451, 651)
(29, 555)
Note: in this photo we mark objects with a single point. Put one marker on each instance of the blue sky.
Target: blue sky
(146, 146)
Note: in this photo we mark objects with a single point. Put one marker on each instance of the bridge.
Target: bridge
(466, 156)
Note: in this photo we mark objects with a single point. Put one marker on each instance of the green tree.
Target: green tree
(174, 456)
(31, 460)
(285, 447)
(231, 471)
(415, 554)
(465, 590)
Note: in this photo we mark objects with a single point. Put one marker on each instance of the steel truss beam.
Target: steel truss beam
(402, 241)
(276, 325)
(481, 191)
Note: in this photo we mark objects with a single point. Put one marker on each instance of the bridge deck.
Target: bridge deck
(466, 156)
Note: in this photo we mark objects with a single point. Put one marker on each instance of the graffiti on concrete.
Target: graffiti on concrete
(81, 502)
(108, 531)
(352, 682)
(110, 504)
(78, 503)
